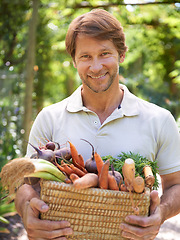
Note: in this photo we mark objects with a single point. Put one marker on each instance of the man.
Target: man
(113, 120)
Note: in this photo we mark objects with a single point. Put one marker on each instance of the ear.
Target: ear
(122, 57)
(74, 64)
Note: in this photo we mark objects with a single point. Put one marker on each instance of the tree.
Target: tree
(29, 79)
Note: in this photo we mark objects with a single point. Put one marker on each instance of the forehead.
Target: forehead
(89, 44)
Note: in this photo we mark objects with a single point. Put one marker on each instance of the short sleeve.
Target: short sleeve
(168, 155)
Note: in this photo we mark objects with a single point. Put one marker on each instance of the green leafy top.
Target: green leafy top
(140, 163)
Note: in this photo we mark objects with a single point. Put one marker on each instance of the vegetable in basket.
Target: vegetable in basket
(141, 165)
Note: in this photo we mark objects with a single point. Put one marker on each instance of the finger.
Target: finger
(59, 238)
(142, 221)
(135, 232)
(51, 225)
(155, 201)
(38, 205)
(56, 234)
(131, 236)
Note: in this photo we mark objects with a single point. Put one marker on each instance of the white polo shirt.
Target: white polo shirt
(137, 126)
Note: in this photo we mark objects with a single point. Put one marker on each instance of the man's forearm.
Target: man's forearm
(170, 204)
(24, 193)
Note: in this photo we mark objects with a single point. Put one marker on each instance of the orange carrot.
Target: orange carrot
(103, 177)
(77, 161)
(99, 162)
(73, 177)
(87, 181)
(112, 184)
(66, 168)
(80, 167)
(76, 170)
(59, 166)
(81, 160)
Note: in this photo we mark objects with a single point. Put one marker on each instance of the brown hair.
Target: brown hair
(97, 23)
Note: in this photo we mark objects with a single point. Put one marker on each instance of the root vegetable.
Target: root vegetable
(66, 168)
(75, 156)
(76, 170)
(103, 177)
(73, 177)
(112, 184)
(117, 175)
(90, 164)
(50, 145)
(138, 184)
(45, 154)
(128, 171)
(87, 181)
(63, 153)
(99, 162)
(149, 177)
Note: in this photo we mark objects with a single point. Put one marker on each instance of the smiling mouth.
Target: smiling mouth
(96, 77)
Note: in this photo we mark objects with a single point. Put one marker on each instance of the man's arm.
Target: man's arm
(139, 227)
(170, 204)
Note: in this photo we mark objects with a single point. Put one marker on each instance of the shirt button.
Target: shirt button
(95, 122)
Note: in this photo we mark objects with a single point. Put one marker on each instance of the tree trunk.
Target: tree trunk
(29, 77)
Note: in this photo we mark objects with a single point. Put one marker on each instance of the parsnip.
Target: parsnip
(128, 171)
(149, 177)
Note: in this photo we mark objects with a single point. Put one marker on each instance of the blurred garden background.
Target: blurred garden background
(35, 70)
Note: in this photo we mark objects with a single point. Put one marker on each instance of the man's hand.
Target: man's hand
(139, 227)
(38, 229)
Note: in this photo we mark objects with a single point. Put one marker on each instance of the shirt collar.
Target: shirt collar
(75, 103)
(129, 104)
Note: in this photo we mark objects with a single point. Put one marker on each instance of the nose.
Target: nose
(96, 65)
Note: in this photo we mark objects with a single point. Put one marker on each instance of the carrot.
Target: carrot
(59, 166)
(112, 184)
(128, 171)
(138, 184)
(77, 159)
(87, 181)
(99, 162)
(103, 177)
(149, 177)
(81, 160)
(66, 168)
(76, 170)
(74, 153)
(73, 177)
(80, 167)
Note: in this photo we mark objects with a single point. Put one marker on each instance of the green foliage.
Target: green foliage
(140, 163)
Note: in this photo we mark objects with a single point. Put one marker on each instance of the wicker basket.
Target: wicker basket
(93, 213)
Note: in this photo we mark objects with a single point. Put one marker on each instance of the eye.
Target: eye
(105, 53)
(85, 56)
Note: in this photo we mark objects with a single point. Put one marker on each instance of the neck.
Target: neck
(103, 103)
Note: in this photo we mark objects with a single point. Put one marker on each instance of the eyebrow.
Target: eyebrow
(103, 49)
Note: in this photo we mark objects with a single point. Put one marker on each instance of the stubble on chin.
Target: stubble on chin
(99, 87)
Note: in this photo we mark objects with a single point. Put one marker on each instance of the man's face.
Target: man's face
(97, 63)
